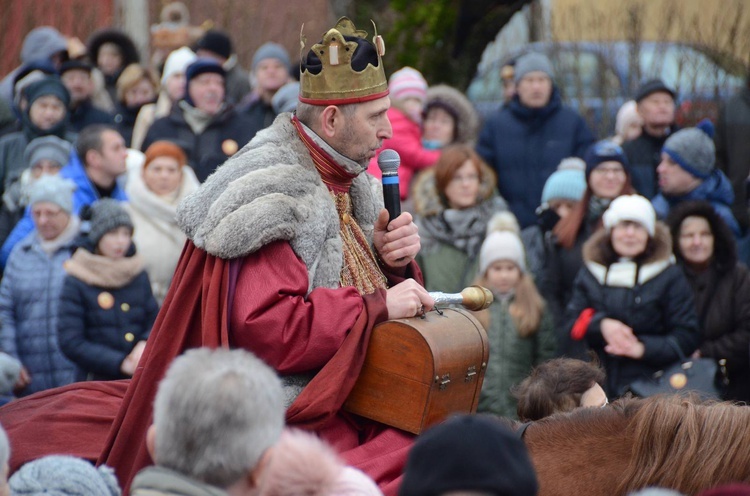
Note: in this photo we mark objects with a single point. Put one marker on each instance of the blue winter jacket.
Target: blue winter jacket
(717, 190)
(526, 145)
(85, 194)
(29, 297)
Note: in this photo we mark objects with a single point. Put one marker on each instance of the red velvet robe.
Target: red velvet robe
(328, 328)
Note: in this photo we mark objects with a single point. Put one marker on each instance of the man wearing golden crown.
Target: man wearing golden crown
(290, 255)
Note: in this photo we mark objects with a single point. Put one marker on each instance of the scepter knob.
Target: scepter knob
(476, 298)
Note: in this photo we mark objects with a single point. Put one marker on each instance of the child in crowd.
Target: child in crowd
(107, 309)
(519, 327)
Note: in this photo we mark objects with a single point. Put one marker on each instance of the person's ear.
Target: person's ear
(92, 158)
(255, 476)
(151, 441)
(331, 121)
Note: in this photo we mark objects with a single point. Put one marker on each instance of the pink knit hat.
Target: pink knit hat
(407, 83)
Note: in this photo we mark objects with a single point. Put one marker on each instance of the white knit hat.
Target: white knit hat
(634, 208)
(502, 243)
(177, 62)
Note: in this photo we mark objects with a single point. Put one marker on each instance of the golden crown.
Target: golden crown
(338, 83)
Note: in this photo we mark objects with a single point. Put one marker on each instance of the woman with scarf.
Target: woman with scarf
(154, 190)
(453, 205)
(607, 177)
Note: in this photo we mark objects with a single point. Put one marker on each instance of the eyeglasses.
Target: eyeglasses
(603, 171)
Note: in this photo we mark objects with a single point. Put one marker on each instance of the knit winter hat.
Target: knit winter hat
(59, 475)
(177, 62)
(74, 64)
(407, 83)
(270, 50)
(201, 66)
(286, 98)
(50, 85)
(10, 370)
(634, 208)
(164, 148)
(693, 149)
(653, 86)
(106, 215)
(53, 189)
(469, 453)
(568, 182)
(604, 151)
(353, 482)
(47, 148)
(42, 43)
(502, 242)
(215, 42)
(532, 61)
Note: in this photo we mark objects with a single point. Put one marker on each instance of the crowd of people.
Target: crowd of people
(147, 210)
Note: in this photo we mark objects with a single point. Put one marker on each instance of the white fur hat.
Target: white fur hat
(502, 243)
(634, 208)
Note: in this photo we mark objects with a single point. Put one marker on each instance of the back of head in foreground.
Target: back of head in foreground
(469, 454)
(216, 413)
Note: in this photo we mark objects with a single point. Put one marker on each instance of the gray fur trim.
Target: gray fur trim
(468, 120)
(270, 191)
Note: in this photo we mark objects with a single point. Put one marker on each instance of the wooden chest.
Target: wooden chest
(418, 371)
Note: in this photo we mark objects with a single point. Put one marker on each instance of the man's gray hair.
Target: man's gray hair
(308, 114)
(216, 412)
(4, 448)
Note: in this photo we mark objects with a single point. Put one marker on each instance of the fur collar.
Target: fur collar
(270, 191)
(103, 272)
(627, 273)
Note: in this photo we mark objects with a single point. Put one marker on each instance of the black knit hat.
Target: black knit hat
(75, 64)
(50, 85)
(469, 453)
(653, 86)
(215, 42)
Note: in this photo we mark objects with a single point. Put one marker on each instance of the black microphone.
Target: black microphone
(388, 161)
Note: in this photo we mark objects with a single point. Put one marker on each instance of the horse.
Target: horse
(672, 442)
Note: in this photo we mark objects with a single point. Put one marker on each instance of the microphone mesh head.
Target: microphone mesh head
(388, 161)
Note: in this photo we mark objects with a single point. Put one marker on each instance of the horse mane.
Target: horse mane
(683, 444)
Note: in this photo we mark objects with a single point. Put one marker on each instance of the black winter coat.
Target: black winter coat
(659, 304)
(98, 327)
(644, 156)
(227, 133)
(733, 149)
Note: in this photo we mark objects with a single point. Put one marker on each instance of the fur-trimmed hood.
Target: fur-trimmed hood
(625, 273)
(271, 191)
(467, 127)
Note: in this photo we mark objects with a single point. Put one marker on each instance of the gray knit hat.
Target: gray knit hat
(59, 475)
(106, 215)
(286, 98)
(49, 148)
(53, 189)
(693, 149)
(532, 61)
(270, 50)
